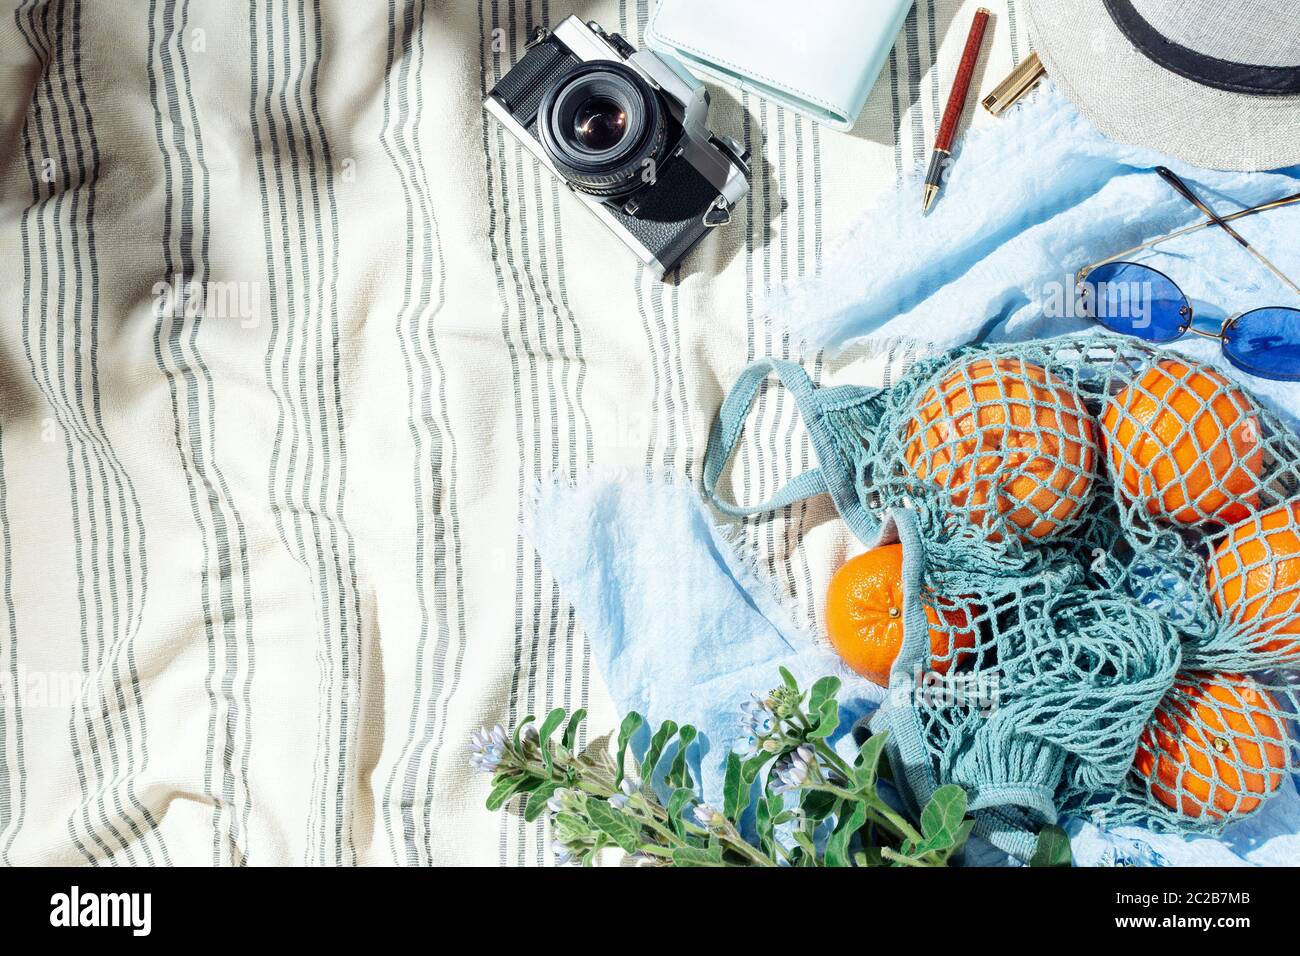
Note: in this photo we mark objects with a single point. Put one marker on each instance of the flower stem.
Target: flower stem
(830, 756)
(652, 850)
(891, 854)
(731, 836)
(897, 820)
(672, 839)
(877, 809)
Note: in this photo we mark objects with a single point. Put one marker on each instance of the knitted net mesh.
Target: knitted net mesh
(1112, 578)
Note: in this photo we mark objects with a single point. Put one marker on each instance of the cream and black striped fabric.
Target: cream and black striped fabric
(289, 331)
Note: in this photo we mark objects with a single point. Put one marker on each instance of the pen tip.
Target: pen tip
(928, 200)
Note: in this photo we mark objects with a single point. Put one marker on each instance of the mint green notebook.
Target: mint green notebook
(819, 58)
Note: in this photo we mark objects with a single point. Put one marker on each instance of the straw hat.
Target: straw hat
(1213, 82)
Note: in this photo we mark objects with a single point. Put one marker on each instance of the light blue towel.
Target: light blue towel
(1030, 199)
(1271, 837)
(681, 626)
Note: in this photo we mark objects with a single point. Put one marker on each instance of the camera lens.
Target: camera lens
(601, 124)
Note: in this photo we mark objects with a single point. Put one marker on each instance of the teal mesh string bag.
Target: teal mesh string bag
(1121, 526)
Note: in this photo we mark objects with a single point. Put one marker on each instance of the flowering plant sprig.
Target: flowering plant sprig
(811, 807)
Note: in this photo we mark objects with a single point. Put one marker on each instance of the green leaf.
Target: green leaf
(944, 843)
(679, 775)
(963, 834)
(765, 815)
(787, 678)
(695, 856)
(676, 804)
(885, 771)
(657, 743)
(569, 827)
(942, 817)
(735, 789)
(864, 772)
(571, 729)
(553, 720)
(822, 691)
(1052, 849)
(817, 804)
(505, 788)
(537, 800)
(631, 724)
(837, 847)
(519, 729)
(621, 829)
(828, 718)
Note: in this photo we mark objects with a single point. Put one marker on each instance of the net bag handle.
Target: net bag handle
(811, 402)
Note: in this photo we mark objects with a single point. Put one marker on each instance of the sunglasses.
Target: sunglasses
(1135, 299)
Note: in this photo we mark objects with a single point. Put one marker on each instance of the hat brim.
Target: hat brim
(1133, 100)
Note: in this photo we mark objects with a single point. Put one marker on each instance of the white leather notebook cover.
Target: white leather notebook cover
(820, 57)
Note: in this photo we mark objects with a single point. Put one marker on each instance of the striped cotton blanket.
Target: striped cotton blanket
(289, 329)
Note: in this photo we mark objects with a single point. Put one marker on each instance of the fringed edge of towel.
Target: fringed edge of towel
(782, 609)
(798, 293)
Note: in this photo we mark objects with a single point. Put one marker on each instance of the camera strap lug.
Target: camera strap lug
(540, 35)
(718, 213)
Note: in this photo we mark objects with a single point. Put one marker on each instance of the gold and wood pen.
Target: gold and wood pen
(956, 105)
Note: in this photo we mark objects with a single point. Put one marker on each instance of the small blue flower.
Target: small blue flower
(758, 727)
(487, 749)
(707, 817)
(563, 800)
(792, 771)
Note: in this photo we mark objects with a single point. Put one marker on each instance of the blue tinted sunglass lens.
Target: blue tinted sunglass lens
(1266, 342)
(1136, 300)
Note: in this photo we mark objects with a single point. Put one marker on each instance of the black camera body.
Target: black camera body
(625, 131)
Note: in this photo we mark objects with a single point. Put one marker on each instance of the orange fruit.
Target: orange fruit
(1254, 577)
(1214, 746)
(864, 617)
(1008, 442)
(1184, 444)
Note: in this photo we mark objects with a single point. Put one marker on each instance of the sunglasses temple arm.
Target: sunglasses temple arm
(1195, 227)
(1169, 176)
